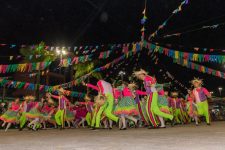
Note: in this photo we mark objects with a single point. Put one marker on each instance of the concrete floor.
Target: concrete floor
(188, 137)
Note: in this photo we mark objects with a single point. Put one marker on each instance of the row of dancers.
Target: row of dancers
(121, 103)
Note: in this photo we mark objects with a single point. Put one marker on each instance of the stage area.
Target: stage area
(187, 137)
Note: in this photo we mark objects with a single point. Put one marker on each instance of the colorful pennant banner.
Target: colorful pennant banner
(31, 86)
(179, 9)
(26, 67)
(86, 49)
(143, 22)
(185, 55)
(197, 49)
(200, 68)
(136, 47)
(215, 26)
(84, 58)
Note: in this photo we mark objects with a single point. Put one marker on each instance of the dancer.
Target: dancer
(69, 115)
(24, 109)
(105, 89)
(89, 107)
(141, 103)
(152, 102)
(99, 107)
(11, 115)
(200, 97)
(60, 114)
(34, 115)
(51, 115)
(175, 103)
(184, 111)
(126, 107)
(80, 114)
(163, 103)
(191, 107)
(45, 110)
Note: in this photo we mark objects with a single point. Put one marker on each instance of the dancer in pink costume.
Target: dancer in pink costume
(191, 107)
(126, 107)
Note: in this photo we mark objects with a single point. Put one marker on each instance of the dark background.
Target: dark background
(79, 22)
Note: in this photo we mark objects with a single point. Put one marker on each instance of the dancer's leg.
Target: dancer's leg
(68, 123)
(109, 108)
(123, 122)
(98, 115)
(132, 119)
(206, 111)
(57, 117)
(162, 122)
(93, 120)
(149, 111)
(142, 113)
(4, 124)
(120, 123)
(110, 124)
(105, 122)
(62, 116)
(8, 126)
(22, 120)
(156, 109)
(196, 120)
(88, 118)
(36, 121)
(32, 122)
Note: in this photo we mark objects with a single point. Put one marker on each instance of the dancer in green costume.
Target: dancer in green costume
(152, 102)
(200, 97)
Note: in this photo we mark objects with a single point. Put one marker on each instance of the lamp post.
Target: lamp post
(121, 74)
(220, 90)
(211, 92)
(61, 53)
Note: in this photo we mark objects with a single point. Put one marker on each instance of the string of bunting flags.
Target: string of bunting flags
(201, 49)
(200, 68)
(179, 9)
(184, 55)
(32, 86)
(83, 49)
(26, 67)
(143, 22)
(102, 55)
(136, 47)
(84, 58)
(42, 73)
(215, 26)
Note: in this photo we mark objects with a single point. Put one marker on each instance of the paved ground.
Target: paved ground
(187, 137)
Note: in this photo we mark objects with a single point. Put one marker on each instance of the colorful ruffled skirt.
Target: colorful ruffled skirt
(10, 116)
(52, 118)
(191, 111)
(163, 104)
(45, 116)
(34, 113)
(165, 109)
(126, 106)
(69, 115)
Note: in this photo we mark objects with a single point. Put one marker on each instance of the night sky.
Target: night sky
(79, 22)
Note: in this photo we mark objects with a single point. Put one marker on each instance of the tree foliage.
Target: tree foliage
(85, 68)
(37, 53)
